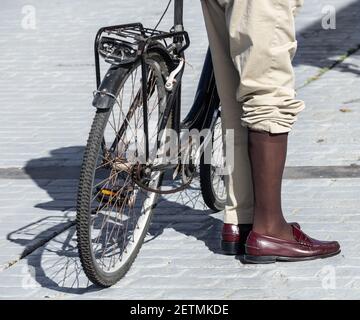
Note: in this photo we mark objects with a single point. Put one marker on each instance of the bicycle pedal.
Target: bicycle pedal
(117, 196)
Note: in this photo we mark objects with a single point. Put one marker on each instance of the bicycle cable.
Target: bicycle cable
(162, 17)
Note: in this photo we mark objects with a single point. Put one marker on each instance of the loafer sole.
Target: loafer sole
(231, 248)
(273, 259)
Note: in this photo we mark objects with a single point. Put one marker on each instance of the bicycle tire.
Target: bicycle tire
(85, 192)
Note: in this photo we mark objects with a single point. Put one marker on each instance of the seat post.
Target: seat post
(178, 15)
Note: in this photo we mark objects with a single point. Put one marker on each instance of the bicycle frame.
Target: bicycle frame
(206, 97)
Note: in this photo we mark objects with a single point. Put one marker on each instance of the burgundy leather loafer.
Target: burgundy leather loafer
(265, 249)
(234, 237)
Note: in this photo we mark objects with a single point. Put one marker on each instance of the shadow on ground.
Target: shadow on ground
(50, 247)
(58, 175)
(321, 47)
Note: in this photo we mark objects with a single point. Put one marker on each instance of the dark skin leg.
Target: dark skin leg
(267, 154)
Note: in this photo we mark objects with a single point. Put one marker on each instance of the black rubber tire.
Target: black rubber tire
(207, 187)
(95, 274)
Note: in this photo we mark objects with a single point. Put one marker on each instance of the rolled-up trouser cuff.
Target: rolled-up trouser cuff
(270, 118)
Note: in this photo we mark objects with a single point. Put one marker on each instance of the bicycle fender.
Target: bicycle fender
(104, 97)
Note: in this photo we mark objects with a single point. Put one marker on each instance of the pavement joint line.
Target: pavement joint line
(73, 172)
(349, 52)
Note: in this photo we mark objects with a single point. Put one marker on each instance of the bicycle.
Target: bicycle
(137, 103)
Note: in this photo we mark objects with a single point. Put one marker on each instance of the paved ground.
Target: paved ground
(46, 80)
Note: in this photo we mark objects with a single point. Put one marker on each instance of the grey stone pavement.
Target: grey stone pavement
(46, 84)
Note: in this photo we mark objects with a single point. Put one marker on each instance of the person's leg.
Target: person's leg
(239, 207)
(262, 45)
(268, 154)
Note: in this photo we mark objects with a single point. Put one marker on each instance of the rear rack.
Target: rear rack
(124, 44)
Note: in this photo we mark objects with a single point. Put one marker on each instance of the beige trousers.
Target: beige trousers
(252, 43)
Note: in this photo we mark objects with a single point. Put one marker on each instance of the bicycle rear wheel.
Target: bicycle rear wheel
(113, 213)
